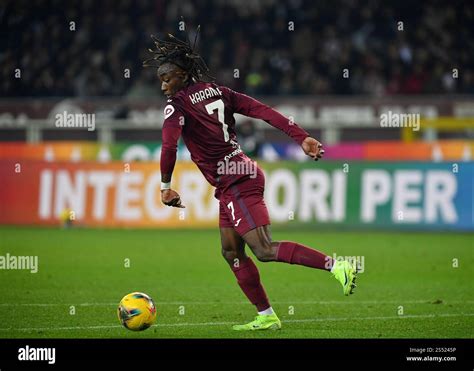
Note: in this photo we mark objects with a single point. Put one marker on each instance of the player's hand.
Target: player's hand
(313, 148)
(171, 198)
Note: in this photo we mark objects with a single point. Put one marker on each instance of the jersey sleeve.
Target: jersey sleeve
(251, 107)
(172, 127)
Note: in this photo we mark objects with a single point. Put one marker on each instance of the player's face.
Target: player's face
(172, 79)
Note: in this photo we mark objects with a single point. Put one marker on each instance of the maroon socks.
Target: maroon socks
(295, 253)
(248, 279)
(289, 252)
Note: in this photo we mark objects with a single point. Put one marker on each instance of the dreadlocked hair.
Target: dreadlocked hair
(181, 54)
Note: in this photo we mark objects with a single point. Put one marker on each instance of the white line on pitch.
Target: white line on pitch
(231, 323)
(322, 302)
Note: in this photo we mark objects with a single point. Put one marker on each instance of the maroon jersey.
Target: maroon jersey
(203, 113)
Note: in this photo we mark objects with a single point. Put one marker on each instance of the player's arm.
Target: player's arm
(251, 107)
(171, 132)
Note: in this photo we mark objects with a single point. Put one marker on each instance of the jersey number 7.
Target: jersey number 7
(219, 106)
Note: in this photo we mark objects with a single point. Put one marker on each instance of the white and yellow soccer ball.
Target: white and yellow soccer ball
(136, 311)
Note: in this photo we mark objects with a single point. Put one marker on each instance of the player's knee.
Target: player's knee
(262, 256)
(229, 254)
(263, 252)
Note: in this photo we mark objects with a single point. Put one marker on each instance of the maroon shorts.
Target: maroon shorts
(242, 207)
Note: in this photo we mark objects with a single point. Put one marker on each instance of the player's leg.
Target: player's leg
(260, 242)
(233, 246)
(244, 269)
(248, 278)
(266, 250)
(244, 206)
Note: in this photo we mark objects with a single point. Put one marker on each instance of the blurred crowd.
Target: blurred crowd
(265, 47)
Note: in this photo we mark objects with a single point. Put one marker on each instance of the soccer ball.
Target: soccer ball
(136, 311)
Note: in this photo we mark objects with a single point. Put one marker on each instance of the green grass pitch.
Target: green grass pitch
(409, 289)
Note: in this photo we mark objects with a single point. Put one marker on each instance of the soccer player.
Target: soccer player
(202, 114)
